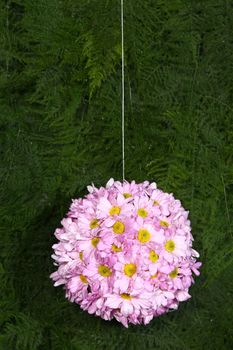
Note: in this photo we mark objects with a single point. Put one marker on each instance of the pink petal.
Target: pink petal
(182, 295)
(127, 308)
(122, 284)
(113, 302)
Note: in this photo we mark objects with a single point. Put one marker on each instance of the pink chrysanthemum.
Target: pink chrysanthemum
(125, 251)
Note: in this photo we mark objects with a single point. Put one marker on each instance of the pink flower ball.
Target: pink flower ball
(125, 251)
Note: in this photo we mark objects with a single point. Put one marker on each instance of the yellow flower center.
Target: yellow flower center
(142, 212)
(127, 195)
(153, 256)
(156, 203)
(130, 269)
(94, 223)
(115, 248)
(104, 271)
(143, 235)
(126, 296)
(95, 241)
(174, 273)
(115, 211)
(118, 227)
(164, 223)
(170, 246)
(83, 279)
(81, 256)
(154, 276)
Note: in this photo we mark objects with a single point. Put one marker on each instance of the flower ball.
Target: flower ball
(125, 251)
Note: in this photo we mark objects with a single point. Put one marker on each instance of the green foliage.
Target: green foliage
(21, 332)
(60, 108)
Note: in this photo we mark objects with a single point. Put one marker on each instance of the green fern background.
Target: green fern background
(60, 110)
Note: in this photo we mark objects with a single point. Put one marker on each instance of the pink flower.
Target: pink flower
(161, 298)
(175, 246)
(127, 303)
(128, 190)
(161, 200)
(78, 283)
(117, 206)
(146, 232)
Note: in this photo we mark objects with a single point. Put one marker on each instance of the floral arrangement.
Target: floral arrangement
(125, 252)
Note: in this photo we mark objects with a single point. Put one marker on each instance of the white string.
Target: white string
(123, 90)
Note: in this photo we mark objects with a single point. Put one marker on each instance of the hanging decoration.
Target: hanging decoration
(125, 250)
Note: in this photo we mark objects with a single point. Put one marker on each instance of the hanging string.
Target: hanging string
(123, 91)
